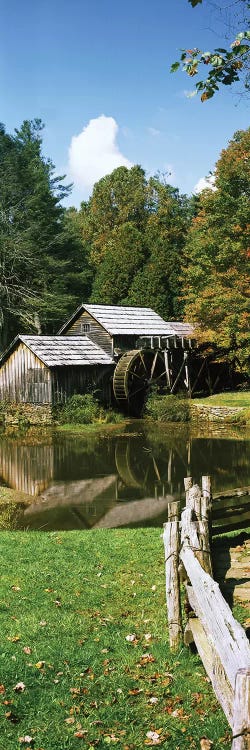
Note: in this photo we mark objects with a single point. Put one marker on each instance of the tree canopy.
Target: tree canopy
(37, 247)
(215, 271)
(136, 230)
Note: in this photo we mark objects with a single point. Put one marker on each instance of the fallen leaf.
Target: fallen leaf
(57, 602)
(145, 659)
(19, 687)
(40, 664)
(81, 733)
(131, 637)
(2, 689)
(69, 720)
(153, 738)
(42, 623)
(147, 636)
(27, 650)
(13, 638)
(205, 743)
(196, 698)
(154, 677)
(153, 700)
(15, 588)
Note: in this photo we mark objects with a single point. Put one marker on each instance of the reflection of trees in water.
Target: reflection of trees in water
(83, 479)
(226, 460)
(139, 462)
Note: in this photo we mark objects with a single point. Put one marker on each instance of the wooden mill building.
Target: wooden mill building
(86, 352)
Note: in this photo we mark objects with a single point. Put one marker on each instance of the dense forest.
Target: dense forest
(136, 241)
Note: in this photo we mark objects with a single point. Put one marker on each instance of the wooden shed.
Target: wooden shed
(48, 369)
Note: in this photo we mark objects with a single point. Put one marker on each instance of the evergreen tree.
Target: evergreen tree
(37, 250)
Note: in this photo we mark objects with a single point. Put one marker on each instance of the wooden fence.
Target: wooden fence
(220, 640)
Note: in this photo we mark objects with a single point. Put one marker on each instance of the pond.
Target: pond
(123, 477)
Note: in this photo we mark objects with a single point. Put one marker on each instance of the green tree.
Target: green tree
(224, 65)
(135, 230)
(215, 270)
(157, 284)
(37, 250)
(117, 198)
(123, 257)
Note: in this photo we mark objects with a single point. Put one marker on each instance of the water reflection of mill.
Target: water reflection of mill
(126, 481)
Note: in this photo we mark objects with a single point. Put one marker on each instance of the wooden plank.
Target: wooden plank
(178, 376)
(241, 713)
(206, 487)
(196, 521)
(171, 547)
(213, 666)
(198, 376)
(230, 504)
(237, 492)
(238, 521)
(216, 617)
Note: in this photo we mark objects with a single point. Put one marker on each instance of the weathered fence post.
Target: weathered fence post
(241, 711)
(198, 522)
(171, 547)
(219, 638)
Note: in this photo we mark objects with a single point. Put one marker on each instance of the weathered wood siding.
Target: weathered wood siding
(124, 343)
(24, 378)
(69, 380)
(95, 331)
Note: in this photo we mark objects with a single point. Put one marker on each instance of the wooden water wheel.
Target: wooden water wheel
(136, 372)
(136, 465)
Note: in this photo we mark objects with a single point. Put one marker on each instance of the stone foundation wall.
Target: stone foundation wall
(30, 414)
(228, 414)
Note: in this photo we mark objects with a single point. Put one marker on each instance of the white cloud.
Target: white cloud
(205, 183)
(94, 152)
(154, 132)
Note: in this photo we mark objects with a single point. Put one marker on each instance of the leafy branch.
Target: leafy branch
(225, 65)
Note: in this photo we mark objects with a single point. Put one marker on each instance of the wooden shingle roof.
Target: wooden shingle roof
(138, 321)
(57, 351)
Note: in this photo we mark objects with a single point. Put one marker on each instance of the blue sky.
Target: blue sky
(72, 62)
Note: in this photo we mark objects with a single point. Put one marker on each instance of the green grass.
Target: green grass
(71, 599)
(94, 428)
(230, 398)
(239, 400)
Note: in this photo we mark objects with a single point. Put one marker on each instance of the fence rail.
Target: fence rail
(220, 640)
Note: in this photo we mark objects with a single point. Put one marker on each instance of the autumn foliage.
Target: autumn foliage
(215, 273)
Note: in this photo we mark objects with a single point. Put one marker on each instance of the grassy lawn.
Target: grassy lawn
(68, 602)
(240, 399)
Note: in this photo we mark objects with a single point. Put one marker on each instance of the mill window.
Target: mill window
(85, 327)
